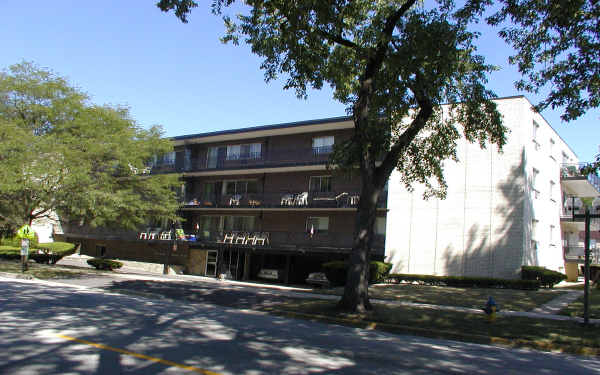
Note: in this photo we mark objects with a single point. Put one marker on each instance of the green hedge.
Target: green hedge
(104, 264)
(48, 253)
(465, 281)
(546, 277)
(337, 271)
(16, 242)
(10, 252)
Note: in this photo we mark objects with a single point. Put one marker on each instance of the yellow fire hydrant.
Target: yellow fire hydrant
(490, 309)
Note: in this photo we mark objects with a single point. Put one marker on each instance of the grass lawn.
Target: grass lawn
(544, 334)
(507, 299)
(40, 271)
(576, 307)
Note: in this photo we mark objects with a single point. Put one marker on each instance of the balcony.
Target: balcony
(282, 200)
(265, 159)
(283, 241)
(577, 254)
(578, 184)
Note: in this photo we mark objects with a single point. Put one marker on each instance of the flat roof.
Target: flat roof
(265, 127)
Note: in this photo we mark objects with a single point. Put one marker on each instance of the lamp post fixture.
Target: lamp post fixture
(586, 269)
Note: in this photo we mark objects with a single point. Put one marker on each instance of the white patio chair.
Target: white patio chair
(143, 236)
(228, 238)
(287, 200)
(166, 235)
(302, 199)
(263, 239)
(240, 238)
(235, 200)
(251, 239)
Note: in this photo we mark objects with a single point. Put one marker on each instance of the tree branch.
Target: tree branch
(338, 39)
(391, 158)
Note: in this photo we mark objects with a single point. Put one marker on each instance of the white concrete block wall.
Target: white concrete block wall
(483, 227)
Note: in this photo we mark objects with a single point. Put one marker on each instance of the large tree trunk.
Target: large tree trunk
(356, 291)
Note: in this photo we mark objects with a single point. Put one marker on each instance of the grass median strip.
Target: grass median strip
(542, 334)
(507, 299)
(138, 355)
(40, 271)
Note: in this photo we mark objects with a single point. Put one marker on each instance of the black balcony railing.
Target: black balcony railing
(280, 200)
(324, 240)
(263, 159)
(577, 253)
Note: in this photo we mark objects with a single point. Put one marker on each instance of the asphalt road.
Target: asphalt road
(118, 334)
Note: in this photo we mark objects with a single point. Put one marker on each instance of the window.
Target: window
(380, 225)
(239, 223)
(320, 184)
(209, 191)
(323, 145)
(244, 152)
(552, 149)
(212, 157)
(536, 127)
(534, 177)
(552, 228)
(552, 187)
(241, 187)
(534, 224)
(317, 224)
(165, 159)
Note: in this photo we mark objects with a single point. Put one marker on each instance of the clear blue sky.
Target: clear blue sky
(181, 77)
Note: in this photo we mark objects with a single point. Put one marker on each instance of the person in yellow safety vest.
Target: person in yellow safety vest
(26, 232)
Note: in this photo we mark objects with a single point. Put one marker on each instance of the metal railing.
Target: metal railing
(264, 159)
(577, 253)
(292, 240)
(346, 199)
(574, 171)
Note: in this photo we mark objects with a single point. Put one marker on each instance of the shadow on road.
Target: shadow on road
(222, 339)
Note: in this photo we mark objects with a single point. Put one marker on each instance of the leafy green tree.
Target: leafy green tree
(393, 63)
(557, 48)
(60, 153)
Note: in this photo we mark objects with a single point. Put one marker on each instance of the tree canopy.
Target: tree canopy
(557, 47)
(393, 63)
(59, 152)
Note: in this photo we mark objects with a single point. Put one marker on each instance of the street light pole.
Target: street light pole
(586, 270)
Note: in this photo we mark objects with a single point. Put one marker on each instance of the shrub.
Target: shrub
(104, 264)
(547, 278)
(466, 282)
(52, 252)
(337, 271)
(10, 252)
(16, 242)
(378, 271)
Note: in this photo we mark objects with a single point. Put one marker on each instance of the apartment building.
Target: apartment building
(262, 203)
(502, 211)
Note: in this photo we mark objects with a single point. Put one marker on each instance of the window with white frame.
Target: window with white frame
(323, 145)
(536, 127)
(244, 151)
(318, 224)
(551, 192)
(320, 184)
(534, 242)
(552, 149)
(534, 177)
(552, 229)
